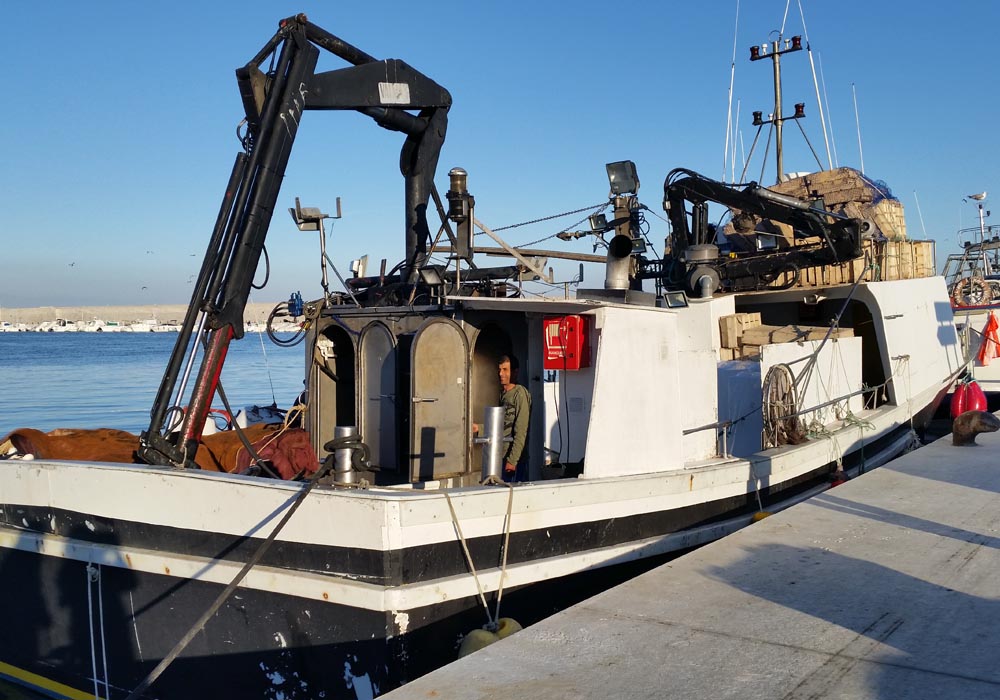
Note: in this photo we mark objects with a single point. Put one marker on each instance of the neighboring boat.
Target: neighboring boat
(60, 325)
(973, 279)
(674, 416)
(99, 325)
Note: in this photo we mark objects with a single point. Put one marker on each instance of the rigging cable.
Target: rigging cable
(819, 102)
(732, 78)
(144, 685)
(829, 119)
(267, 364)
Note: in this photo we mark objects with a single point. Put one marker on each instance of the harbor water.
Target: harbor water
(109, 380)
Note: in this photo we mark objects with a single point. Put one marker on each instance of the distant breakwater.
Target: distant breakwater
(162, 313)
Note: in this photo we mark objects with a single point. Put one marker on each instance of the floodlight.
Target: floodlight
(675, 300)
(622, 177)
(431, 275)
(598, 222)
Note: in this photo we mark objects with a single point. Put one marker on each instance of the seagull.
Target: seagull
(72, 264)
(978, 197)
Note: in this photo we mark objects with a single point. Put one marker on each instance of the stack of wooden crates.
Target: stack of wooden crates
(743, 334)
(846, 191)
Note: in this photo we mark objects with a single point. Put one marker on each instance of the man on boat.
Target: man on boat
(516, 402)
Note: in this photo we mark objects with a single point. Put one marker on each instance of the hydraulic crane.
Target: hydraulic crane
(275, 99)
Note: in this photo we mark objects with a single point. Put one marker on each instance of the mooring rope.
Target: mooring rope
(228, 590)
(468, 558)
(506, 542)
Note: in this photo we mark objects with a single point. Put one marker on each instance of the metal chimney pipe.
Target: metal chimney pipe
(618, 262)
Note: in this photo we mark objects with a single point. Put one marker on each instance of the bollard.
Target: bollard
(492, 442)
(343, 469)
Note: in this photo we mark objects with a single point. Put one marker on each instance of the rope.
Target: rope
(91, 572)
(227, 591)
(468, 558)
(100, 620)
(491, 621)
(506, 542)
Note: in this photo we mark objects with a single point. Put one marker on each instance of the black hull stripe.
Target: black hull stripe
(423, 562)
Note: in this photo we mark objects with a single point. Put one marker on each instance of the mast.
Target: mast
(776, 50)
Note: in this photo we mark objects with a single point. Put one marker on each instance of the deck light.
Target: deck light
(598, 222)
(758, 118)
(800, 110)
(431, 275)
(675, 300)
(754, 53)
(796, 43)
(623, 177)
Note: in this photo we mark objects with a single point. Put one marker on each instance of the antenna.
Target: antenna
(920, 214)
(812, 66)
(732, 78)
(829, 119)
(857, 120)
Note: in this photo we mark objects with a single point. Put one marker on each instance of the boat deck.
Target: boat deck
(884, 587)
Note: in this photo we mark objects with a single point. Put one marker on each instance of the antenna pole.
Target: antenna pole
(776, 120)
(778, 148)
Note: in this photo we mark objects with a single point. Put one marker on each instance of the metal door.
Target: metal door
(377, 350)
(439, 372)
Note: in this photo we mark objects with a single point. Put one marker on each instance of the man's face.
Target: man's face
(505, 373)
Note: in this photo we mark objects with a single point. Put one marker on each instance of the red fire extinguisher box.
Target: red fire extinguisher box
(566, 343)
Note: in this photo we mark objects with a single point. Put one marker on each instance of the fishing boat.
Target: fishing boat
(688, 394)
(973, 279)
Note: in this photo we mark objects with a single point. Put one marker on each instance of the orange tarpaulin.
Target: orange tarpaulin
(991, 342)
(288, 449)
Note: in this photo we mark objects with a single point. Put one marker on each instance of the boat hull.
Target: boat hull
(104, 596)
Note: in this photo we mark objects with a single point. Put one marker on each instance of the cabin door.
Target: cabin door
(439, 370)
(377, 388)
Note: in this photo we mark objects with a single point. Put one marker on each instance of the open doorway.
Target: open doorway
(491, 342)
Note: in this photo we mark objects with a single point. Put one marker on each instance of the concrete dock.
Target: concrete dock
(885, 587)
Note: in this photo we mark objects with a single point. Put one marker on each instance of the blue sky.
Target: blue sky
(120, 119)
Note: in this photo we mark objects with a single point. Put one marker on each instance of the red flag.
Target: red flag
(991, 342)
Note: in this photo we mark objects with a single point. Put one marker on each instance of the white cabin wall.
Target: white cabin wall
(905, 311)
(698, 356)
(567, 413)
(740, 383)
(635, 420)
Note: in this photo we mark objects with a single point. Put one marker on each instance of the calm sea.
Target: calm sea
(109, 380)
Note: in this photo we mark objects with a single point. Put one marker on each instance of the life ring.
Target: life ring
(971, 291)
(217, 414)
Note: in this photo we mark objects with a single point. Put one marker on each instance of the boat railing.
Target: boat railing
(721, 429)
